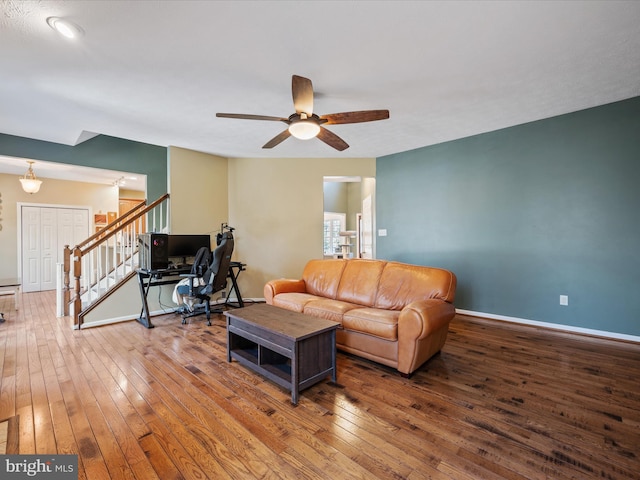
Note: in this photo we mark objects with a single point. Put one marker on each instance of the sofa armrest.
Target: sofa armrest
(282, 285)
(420, 319)
(422, 331)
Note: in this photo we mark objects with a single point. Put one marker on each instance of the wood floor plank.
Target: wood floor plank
(231, 439)
(8, 380)
(422, 428)
(160, 462)
(549, 409)
(171, 433)
(541, 411)
(259, 419)
(501, 401)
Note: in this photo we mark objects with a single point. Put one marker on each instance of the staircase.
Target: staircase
(108, 258)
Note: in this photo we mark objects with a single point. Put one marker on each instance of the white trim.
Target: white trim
(108, 321)
(471, 313)
(247, 300)
(553, 326)
(126, 318)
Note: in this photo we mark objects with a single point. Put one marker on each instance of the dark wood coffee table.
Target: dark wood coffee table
(291, 349)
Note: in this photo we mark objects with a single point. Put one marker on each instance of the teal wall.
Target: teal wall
(100, 152)
(525, 214)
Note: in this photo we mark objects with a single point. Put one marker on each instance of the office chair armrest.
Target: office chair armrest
(191, 277)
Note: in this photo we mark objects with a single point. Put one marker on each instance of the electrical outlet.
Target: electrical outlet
(382, 232)
(564, 300)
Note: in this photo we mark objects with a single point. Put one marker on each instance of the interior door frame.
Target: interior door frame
(366, 217)
(20, 205)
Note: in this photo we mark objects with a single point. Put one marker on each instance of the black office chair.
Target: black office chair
(208, 276)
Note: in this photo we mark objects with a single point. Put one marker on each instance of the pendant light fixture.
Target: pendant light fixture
(30, 183)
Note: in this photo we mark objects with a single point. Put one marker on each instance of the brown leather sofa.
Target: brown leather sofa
(392, 313)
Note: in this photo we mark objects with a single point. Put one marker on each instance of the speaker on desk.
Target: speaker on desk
(153, 251)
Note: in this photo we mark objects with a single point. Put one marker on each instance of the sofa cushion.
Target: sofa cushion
(359, 282)
(373, 321)
(328, 309)
(400, 284)
(293, 301)
(322, 277)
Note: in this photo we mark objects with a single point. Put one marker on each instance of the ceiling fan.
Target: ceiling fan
(304, 124)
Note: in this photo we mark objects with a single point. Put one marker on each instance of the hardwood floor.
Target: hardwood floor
(500, 401)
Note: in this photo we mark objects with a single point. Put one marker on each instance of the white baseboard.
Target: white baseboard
(235, 300)
(471, 313)
(553, 326)
(108, 321)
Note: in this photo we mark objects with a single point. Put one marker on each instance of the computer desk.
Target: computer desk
(171, 276)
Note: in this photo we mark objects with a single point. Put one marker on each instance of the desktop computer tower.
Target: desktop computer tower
(153, 251)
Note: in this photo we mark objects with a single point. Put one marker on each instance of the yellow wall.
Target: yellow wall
(276, 206)
(197, 185)
(199, 192)
(101, 198)
(132, 194)
(125, 304)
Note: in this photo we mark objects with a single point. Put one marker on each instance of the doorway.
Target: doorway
(351, 199)
(44, 231)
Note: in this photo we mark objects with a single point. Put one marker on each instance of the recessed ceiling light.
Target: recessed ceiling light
(65, 27)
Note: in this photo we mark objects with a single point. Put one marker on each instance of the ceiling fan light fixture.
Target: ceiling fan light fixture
(65, 27)
(30, 184)
(304, 129)
(304, 124)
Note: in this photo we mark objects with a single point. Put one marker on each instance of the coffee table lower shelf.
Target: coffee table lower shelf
(293, 363)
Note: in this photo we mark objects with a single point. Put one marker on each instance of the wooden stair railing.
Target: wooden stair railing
(105, 259)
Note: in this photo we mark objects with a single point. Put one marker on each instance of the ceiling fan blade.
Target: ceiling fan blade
(355, 117)
(302, 91)
(281, 137)
(332, 139)
(243, 116)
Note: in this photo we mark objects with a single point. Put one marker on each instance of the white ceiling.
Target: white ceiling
(65, 171)
(158, 71)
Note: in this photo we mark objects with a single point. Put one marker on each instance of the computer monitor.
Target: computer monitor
(185, 246)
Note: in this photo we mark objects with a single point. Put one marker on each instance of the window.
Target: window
(334, 223)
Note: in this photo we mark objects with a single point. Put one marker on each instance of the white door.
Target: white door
(48, 248)
(73, 228)
(45, 232)
(30, 249)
